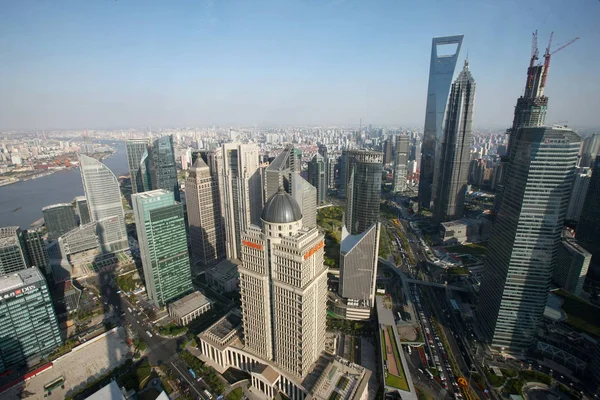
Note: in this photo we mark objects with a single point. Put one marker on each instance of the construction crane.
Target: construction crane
(549, 54)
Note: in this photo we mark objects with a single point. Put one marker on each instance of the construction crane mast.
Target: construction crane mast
(549, 54)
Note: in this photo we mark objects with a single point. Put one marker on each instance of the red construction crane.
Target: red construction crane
(547, 56)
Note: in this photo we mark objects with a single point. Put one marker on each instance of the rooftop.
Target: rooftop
(225, 269)
(267, 371)
(59, 205)
(342, 380)
(151, 193)
(189, 303)
(108, 392)
(20, 279)
(9, 231)
(281, 208)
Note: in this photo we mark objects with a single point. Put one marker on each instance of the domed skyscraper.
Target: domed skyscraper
(283, 286)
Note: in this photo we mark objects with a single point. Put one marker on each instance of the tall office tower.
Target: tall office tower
(358, 271)
(588, 228)
(163, 245)
(137, 156)
(37, 254)
(388, 151)
(456, 150)
(343, 168)
(401, 163)
(241, 193)
(363, 190)
(285, 171)
(104, 202)
(317, 176)
(163, 170)
(283, 287)
(578, 194)
(330, 166)
(324, 152)
(589, 150)
(59, 219)
(28, 325)
(570, 270)
(441, 71)
(525, 237)
(82, 210)
(13, 256)
(203, 204)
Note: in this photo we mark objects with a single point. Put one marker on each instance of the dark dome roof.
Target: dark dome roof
(281, 208)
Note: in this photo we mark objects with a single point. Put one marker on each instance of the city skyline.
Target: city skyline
(191, 72)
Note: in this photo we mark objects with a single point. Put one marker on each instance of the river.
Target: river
(21, 203)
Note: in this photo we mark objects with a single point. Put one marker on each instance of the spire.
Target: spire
(467, 62)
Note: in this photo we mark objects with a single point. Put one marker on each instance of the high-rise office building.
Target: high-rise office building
(317, 176)
(82, 210)
(388, 151)
(241, 192)
(441, 71)
(589, 150)
(104, 202)
(203, 204)
(59, 219)
(283, 287)
(358, 272)
(13, 256)
(331, 166)
(324, 152)
(28, 326)
(578, 194)
(37, 254)
(588, 228)
(285, 171)
(163, 245)
(456, 150)
(401, 163)
(570, 270)
(163, 169)
(137, 159)
(363, 189)
(525, 237)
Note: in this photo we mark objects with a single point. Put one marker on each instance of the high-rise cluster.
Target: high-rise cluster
(441, 71)
(152, 165)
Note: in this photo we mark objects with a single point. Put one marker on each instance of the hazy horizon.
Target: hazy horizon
(97, 65)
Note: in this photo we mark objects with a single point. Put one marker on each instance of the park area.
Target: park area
(330, 220)
(474, 249)
(581, 315)
(394, 373)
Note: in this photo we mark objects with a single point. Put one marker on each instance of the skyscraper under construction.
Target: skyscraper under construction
(532, 105)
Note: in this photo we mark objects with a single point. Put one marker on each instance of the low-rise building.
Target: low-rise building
(224, 277)
(465, 230)
(331, 377)
(572, 263)
(189, 307)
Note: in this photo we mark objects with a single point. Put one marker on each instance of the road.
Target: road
(160, 350)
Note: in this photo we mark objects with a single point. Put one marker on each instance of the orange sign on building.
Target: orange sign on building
(312, 251)
(252, 244)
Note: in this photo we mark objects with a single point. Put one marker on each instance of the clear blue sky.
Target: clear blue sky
(124, 63)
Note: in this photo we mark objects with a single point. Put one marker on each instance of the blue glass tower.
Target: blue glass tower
(441, 71)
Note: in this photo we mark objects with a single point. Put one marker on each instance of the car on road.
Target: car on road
(148, 333)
